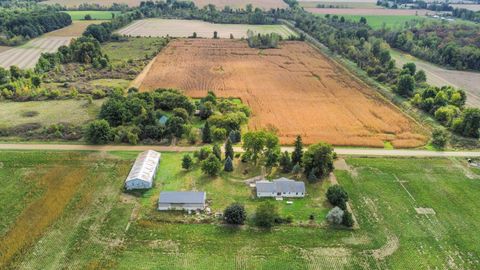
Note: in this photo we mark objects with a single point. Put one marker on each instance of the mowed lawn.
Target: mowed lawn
(95, 14)
(94, 225)
(385, 193)
(46, 113)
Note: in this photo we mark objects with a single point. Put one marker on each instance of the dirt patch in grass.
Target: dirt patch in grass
(294, 90)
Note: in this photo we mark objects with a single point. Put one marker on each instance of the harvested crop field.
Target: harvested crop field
(265, 4)
(369, 11)
(439, 76)
(294, 90)
(185, 28)
(27, 55)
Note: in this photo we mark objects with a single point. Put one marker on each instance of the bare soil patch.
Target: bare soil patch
(368, 11)
(76, 29)
(425, 211)
(265, 4)
(294, 90)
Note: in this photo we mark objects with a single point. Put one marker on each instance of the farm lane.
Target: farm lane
(340, 151)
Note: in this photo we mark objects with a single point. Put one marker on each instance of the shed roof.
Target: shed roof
(281, 185)
(182, 197)
(144, 166)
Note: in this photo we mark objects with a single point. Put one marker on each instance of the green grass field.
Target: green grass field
(133, 48)
(377, 21)
(48, 112)
(95, 225)
(95, 14)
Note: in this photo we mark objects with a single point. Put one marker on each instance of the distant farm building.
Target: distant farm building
(182, 200)
(281, 187)
(143, 172)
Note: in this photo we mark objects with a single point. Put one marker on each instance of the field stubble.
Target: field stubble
(294, 90)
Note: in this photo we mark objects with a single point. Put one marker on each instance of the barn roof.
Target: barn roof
(144, 166)
(280, 185)
(182, 197)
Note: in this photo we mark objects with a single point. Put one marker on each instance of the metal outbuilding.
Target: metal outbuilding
(182, 200)
(143, 171)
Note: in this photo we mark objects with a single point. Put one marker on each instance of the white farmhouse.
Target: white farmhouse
(143, 172)
(182, 200)
(281, 187)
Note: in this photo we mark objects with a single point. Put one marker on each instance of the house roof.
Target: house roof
(144, 166)
(280, 185)
(163, 120)
(182, 197)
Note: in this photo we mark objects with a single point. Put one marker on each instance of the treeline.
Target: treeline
(452, 45)
(18, 26)
(165, 114)
(466, 14)
(84, 50)
(210, 13)
(354, 41)
(263, 41)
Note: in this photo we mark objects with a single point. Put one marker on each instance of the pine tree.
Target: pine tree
(228, 165)
(229, 149)
(187, 162)
(217, 151)
(297, 154)
(206, 133)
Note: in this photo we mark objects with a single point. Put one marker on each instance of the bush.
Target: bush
(219, 134)
(265, 215)
(347, 219)
(335, 216)
(439, 138)
(211, 166)
(337, 196)
(98, 94)
(98, 132)
(187, 162)
(228, 167)
(235, 214)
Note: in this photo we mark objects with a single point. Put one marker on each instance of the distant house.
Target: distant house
(281, 187)
(143, 171)
(182, 200)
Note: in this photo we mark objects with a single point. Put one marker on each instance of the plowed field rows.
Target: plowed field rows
(293, 89)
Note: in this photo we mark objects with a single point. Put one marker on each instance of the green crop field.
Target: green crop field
(92, 224)
(95, 14)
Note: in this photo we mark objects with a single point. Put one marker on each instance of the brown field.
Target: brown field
(369, 11)
(294, 90)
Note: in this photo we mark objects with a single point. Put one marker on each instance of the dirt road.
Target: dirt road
(340, 151)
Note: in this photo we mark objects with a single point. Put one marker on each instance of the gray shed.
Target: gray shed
(182, 200)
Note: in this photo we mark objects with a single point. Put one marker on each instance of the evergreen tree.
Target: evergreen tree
(286, 162)
(297, 154)
(217, 151)
(228, 167)
(211, 166)
(206, 133)
(229, 149)
(187, 162)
